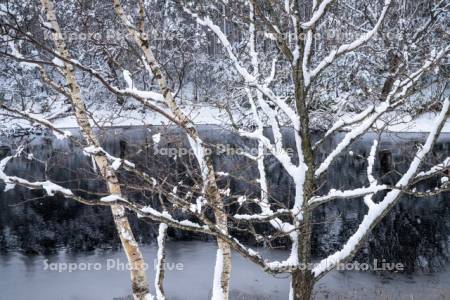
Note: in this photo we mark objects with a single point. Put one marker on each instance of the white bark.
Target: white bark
(204, 160)
(138, 276)
(161, 261)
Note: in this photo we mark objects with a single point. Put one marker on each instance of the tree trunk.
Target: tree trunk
(302, 279)
(225, 260)
(302, 285)
(224, 248)
(138, 276)
(160, 268)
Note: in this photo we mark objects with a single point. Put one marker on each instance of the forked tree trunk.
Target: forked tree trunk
(138, 276)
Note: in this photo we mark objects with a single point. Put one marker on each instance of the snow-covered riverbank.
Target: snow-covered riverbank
(202, 114)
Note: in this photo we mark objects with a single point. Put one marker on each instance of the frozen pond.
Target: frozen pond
(25, 278)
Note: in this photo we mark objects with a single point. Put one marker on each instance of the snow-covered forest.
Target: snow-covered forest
(255, 123)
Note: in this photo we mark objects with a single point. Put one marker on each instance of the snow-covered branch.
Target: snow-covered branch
(395, 98)
(377, 211)
(34, 118)
(348, 194)
(343, 49)
(317, 14)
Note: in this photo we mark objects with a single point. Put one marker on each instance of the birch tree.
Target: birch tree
(138, 277)
(109, 164)
(284, 84)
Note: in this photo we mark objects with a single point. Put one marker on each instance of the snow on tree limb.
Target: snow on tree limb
(372, 181)
(60, 134)
(52, 188)
(434, 170)
(317, 14)
(341, 123)
(350, 46)
(394, 99)
(249, 78)
(353, 193)
(377, 211)
(351, 136)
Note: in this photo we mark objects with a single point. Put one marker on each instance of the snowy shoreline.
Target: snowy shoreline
(207, 115)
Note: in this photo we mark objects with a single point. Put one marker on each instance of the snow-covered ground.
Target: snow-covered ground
(200, 114)
(203, 114)
(422, 123)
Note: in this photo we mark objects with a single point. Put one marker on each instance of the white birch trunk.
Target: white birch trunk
(161, 261)
(204, 161)
(138, 276)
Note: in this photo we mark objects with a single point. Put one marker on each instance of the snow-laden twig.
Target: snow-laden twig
(249, 78)
(330, 58)
(435, 169)
(351, 136)
(116, 162)
(50, 187)
(60, 134)
(268, 217)
(343, 122)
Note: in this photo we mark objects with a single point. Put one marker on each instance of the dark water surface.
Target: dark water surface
(34, 227)
(25, 278)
